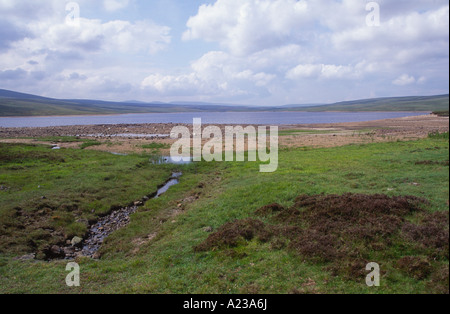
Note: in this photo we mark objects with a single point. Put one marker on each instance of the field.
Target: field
(226, 228)
(432, 103)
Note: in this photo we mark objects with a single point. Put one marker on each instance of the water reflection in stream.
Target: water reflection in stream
(117, 220)
(161, 160)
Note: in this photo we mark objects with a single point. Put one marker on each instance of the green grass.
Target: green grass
(71, 139)
(90, 143)
(155, 254)
(438, 135)
(60, 139)
(56, 189)
(428, 103)
(156, 146)
(66, 139)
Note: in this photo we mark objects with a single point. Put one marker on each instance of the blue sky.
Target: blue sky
(259, 52)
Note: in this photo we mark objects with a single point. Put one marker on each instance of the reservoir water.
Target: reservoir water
(229, 118)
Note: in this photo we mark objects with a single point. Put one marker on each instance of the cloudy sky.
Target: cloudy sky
(262, 52)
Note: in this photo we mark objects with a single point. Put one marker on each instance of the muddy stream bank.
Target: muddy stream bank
(105, 226)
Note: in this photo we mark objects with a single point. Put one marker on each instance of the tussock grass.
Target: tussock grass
(156, 146)
(438, 135)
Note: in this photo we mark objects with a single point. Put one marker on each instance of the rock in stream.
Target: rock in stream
(108, 224)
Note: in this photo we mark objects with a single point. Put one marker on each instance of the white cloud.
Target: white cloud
(323, 41)
(42, 32)
(95, 36)
(404, 80)
(169, 84)
(249, 26)
(304, 71)
(42, 43)
(402, 32)
(215, 74)
(422, 80)
(257, 51)
(114, 5)
(325, 71)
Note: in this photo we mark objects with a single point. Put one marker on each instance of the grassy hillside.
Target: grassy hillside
(32, 107)
(18, 104)
(429, 103)
(213, 233)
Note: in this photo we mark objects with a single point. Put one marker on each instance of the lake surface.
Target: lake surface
(230, 118)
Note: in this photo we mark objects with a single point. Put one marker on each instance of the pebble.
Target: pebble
(103, 228)
(99, 232)
(28, 257)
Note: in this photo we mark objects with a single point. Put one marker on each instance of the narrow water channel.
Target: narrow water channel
(115, 221)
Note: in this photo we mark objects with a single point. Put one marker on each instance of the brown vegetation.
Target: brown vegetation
(432, 163)
(417, 267)
(346, 231)
(21, 156)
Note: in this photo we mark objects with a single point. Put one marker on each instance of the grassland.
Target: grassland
(157, 252)
(430, 103)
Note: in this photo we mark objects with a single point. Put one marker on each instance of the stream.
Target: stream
(118, 219)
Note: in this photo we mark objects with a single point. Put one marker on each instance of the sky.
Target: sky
(253, 52)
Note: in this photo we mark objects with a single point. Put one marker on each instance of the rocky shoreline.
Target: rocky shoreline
(105, 130)
(416, 125)
(97, 131)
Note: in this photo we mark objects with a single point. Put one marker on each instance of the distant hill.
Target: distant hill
(426, 103)
(20, 104)
(5, 94)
